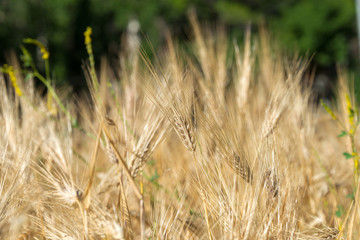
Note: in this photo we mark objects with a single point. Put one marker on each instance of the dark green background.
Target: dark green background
(324, 27)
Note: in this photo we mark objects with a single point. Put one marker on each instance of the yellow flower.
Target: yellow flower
(89, 50)
(350, 110)
(45, 53)
(9, 70)
(327, 109)
(87, 35)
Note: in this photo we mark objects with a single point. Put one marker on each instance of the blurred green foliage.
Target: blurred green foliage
(324, 27)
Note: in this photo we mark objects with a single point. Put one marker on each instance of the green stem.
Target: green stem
(47, 70)
(61, 105)
(356, 159)
(55, 96)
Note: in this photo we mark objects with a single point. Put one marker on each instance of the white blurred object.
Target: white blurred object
(133, 39)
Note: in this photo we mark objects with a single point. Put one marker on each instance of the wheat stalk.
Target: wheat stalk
(153, 132)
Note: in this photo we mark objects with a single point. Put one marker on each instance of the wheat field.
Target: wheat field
(222, 142)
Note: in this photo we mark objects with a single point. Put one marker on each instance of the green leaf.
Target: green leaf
(154, 177)
(351, 196)
(194, 213)
(340, 211)
(342, 134)
(28, 76)
(74, 123)
(151, 162)
(347, 155)
(26, 57)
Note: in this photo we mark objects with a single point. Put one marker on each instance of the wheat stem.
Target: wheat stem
(86, 196)
(202, 198)
(123, 164)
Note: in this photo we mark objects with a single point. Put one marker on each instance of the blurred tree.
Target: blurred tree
(324, 27)
(321, 27)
